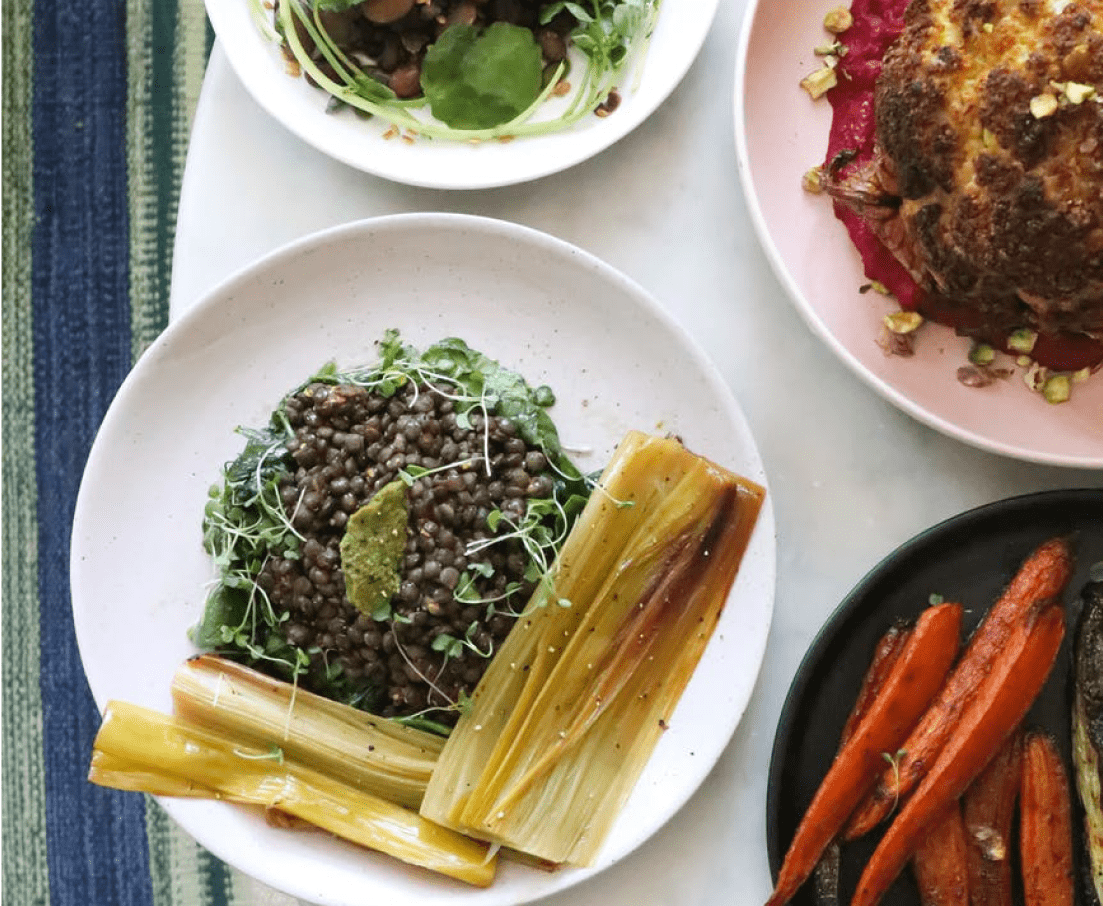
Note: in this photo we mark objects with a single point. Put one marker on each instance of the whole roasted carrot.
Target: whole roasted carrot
(940, 862)
(1045, 825)
(886, 653)
(1001, 700)
(989, 808)
(1038, 582)
(915, 678)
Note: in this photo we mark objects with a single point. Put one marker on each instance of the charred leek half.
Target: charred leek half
(375, 755)
(1087, 727)
(566, 716)
(139, 749)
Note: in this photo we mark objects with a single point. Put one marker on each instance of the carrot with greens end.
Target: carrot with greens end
(1045, 825)
(915, 678)
(1037, 583)
(940, 865)
(1001, 700)
(989, 807)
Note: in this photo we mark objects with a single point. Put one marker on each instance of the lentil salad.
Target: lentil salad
(489, 493)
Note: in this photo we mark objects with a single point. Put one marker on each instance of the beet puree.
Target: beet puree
(877, 23)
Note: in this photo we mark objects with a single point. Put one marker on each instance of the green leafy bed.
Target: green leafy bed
(483, 83)
(245, 522)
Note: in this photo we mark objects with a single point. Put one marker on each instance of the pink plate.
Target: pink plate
(781, 133)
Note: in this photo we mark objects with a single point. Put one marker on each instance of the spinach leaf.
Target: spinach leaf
(480, 78)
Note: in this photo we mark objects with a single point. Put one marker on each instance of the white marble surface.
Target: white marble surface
(850, 476)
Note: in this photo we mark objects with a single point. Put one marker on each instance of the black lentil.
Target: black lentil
(348, 443)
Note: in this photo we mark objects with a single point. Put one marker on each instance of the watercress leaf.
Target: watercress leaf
(578, 11)
(478, 79)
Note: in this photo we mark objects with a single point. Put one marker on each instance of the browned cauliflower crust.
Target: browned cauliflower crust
(990, 131)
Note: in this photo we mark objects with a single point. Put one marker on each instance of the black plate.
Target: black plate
(970, 559)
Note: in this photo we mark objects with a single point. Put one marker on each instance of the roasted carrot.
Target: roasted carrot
(1001, 700)
(885, 654)
(1037, 583)
(1045, 825)
(940, 862)
(915, 678)
(989, 808)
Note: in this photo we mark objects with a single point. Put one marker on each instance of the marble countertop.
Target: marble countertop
(850, 476)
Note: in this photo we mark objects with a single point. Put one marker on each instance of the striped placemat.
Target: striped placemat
(97, 104)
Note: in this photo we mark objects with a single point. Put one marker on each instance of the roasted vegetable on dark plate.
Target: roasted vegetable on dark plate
(1087, 731)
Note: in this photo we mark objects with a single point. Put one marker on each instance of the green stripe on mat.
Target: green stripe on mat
(26, 875)
(167, 46)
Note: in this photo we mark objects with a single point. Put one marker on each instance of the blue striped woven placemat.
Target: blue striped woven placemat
(97, 105)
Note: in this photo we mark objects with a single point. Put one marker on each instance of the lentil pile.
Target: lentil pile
(390, 37)
(348, 443)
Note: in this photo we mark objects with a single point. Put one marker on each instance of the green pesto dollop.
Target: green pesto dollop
(372, 548)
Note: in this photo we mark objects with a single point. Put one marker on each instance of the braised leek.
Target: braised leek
(375, 755)
(564, 720)
(139, 749)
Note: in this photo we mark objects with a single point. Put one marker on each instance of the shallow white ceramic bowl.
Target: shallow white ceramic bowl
(616, 361)
(679, 33)
(780, 134)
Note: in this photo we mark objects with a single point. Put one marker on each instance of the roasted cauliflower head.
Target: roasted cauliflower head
(989, 118)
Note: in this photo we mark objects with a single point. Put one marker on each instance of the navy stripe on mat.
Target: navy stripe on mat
(96, 838)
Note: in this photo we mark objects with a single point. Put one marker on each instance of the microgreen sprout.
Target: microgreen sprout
(274, 753)
(894, 760)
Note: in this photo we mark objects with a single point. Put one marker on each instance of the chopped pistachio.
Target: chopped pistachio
(1057, 388)
(1023, 360)
(834, 49)
(1078, 93)
(1035, 376)
(838, 20)
(1022, 340)
(812, 181)
(982, 354)
(903, 321)
(819, 82)
(1043, 105)
(988, 27)
(1082, 375)
(989, 139)
(878, 287)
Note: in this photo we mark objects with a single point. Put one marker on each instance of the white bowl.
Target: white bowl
(616, 361)
(678, 35)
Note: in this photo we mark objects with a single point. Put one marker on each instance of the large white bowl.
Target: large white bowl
(780, 134)
(616, 361)
(677, 38)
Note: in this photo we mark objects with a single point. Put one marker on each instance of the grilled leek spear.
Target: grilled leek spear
(140, 749)
(564, 719)
(1087, 726)
(373, 754)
